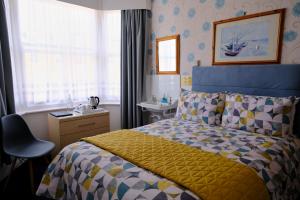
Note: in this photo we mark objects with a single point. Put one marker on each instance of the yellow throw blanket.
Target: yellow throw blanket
(208, 175)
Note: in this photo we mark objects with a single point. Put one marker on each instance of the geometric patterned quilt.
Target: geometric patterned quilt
(208, 175)
(275, 160)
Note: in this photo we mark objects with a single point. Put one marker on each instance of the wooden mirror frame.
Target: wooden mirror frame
(177, 38)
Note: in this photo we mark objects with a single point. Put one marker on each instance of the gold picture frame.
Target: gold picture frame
(249, 39)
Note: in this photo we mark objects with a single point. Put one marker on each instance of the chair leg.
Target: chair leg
(13, 164)
(31, 176)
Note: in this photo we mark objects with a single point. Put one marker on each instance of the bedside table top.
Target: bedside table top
(79, 116)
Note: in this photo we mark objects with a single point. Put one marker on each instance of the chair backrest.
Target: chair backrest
(15, 131)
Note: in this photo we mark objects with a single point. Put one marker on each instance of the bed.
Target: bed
(275, 160)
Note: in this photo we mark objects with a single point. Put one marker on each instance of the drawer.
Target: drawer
(68, 139)
(85, 124)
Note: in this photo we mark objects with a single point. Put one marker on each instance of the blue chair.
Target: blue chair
(19, 142)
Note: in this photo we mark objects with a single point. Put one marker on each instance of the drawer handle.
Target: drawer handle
(89, 124)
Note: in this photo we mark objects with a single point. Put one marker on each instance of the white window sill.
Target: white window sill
(62, 108)
(109, 104)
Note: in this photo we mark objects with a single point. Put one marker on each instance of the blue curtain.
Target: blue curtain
(134, 46)
(6, 81)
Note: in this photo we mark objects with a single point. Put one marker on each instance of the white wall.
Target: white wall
(112, 4)
(126, 4)
(94, 4)
(168, 85)
(38, 122)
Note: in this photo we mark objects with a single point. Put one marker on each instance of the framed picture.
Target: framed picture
(249, 39)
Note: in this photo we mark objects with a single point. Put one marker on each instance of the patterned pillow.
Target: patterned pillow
(266, 115)
(201, 107)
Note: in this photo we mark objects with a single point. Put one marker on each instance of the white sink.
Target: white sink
(157, 106)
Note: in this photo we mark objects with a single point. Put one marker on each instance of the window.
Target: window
(63, 51)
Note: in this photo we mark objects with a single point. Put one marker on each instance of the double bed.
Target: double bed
(85, 171)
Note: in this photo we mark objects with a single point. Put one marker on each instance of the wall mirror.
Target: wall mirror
(168, 55)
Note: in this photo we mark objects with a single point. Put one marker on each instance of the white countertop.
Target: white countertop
(158, 106)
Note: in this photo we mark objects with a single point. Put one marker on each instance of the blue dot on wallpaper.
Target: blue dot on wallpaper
(173, 29)
(202, 1)
(176, 10)
(186, 33)
(192, 13)
(164, 2)
(296, 10)
(206, 26)
(290, 36)
(201, 46)
(219, 3)
(161, 18)
(191, 57)
(153, 36)
(240, 13)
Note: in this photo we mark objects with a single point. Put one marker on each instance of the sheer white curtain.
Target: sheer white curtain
(63, 51)
(110, 55)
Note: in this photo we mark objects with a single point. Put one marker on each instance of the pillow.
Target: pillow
(206, 108)
(266, 115)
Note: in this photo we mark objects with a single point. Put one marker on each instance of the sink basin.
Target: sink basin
(157, 106)
(150, 105)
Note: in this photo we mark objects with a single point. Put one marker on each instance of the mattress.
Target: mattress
(275, 160)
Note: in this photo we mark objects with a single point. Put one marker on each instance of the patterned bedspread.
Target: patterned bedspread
(84, 171)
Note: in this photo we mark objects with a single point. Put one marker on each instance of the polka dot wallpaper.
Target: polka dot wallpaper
(192, 19)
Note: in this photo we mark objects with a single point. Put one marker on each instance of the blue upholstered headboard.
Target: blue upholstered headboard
(263, 80)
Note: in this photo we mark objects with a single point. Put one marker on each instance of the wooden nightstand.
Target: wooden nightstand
(70, 129)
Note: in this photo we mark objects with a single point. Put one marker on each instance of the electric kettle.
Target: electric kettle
(94, 101)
